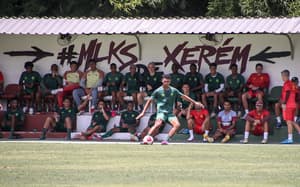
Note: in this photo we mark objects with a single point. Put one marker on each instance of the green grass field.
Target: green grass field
(57, 164)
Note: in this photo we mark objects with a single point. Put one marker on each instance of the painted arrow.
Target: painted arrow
(38, 53)
(265, 56)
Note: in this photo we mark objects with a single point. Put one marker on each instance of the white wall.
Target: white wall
(152, 50)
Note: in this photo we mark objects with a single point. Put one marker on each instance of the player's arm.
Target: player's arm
(250, 118)
(145, 108)
(219, 123)
(187, 98)
(188, 113)
(266, 117)
(233, 122)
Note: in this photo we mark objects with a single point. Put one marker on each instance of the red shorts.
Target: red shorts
(288, 114)
(198, 129)
(258, 130)
(253, 93)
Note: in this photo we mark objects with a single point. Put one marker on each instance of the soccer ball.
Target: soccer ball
(148, 140)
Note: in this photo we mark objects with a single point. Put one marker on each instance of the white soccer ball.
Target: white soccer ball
(148, 140)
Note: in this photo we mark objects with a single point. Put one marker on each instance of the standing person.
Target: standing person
(214, 85)
(257, 123)
(226, 124)
(89, 83)
(198, 121)
(14, 118)
(30, 81)
(130, 86)
(71, 82)
(62, 120)
(165, 97)
(257, 85)
(288, 105)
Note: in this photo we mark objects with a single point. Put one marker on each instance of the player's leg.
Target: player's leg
(266, 133)
(288, 116)
(191, 123)
(229, 133)
(68, 126)
(12, 126)
(246, 133)
(277, 114)
(157, 124)
(245, 97)
(120, 98)
(204, 101)
(175, 126)
(49, 122)
(111, 132)
(140, 98)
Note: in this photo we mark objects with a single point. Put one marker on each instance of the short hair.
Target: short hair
(54, 66)
(213, 65)
(286, 72)
(73, 62)
(227, 101)
(92, 61)
(258, 65)
(113, 64)
(193, 65)
(166, 76)
(232, 66)
(28, 64)
(295, 79)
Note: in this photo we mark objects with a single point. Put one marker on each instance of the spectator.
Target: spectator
(226, 124)
(257, 123)
(214, 85)
(98, 123)
(63, 120)
(257, 84)
(194, 80)
(130, 86)
(91, 80)
(182, 105)
(288, 105)
(30, 81)
(113, 82)
(70, 82)
(14, 118)
(152, 81)
(198, 122)
(234, 85)
(176, 78)
(128, 123)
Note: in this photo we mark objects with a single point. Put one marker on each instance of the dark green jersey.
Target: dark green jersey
(234, 83)
(99, 118)
(128, 117)
(50, 83)
(177, 80)
(214, 82)
(193, 80)
(70, 112)
(132, 82)
(115, 78)
(16, 112)
(185, 103)
(32, 77)
(165, 99)
(154, 81)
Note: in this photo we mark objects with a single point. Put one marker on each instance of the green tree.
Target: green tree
(223, 8)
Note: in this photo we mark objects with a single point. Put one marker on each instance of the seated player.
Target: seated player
(1, 83)
(182, 105)
(14, 118)
(257, 84)
(195, 80)
(257, 123)
(30, 82)
(176, 78)
(226, 124)
(128, 123)
(198, 122)
(130, 86)
(151, 124)
(214, 85)
(99, 121)
(63, 120)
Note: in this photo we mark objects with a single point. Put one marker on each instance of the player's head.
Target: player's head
(28, 66)
(295, 80)
(132, 68)
(113, 67)
(213, 68)
(185, 87)
(227, 105)
(175, 68)
(130, 106)
(259, 105)
(285, 75)
(193, 68)
(166, 80)
(54, 68)
(67, 103)
(73, 66)
(151, 67)
(233, 68)
(13, 103)
(259, 68)
(101, 104)
(93, 64)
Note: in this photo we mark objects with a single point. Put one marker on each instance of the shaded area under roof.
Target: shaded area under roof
(49, 26)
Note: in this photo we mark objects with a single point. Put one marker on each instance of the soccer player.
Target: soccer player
(165, 97)
(176, 78)
(182, 105)
(214, 85)
(89, 83)
(30, 81)
(234, 85)
(130, 86)
(198, 122)
(152, 81)
(288, 105)
(257, 84)
(14, 118)
(257, 123)
(151, 123)
(226, 124)
(62, 120)
(128, 123)
(194, 80)
(99, 121)
(113, 81)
